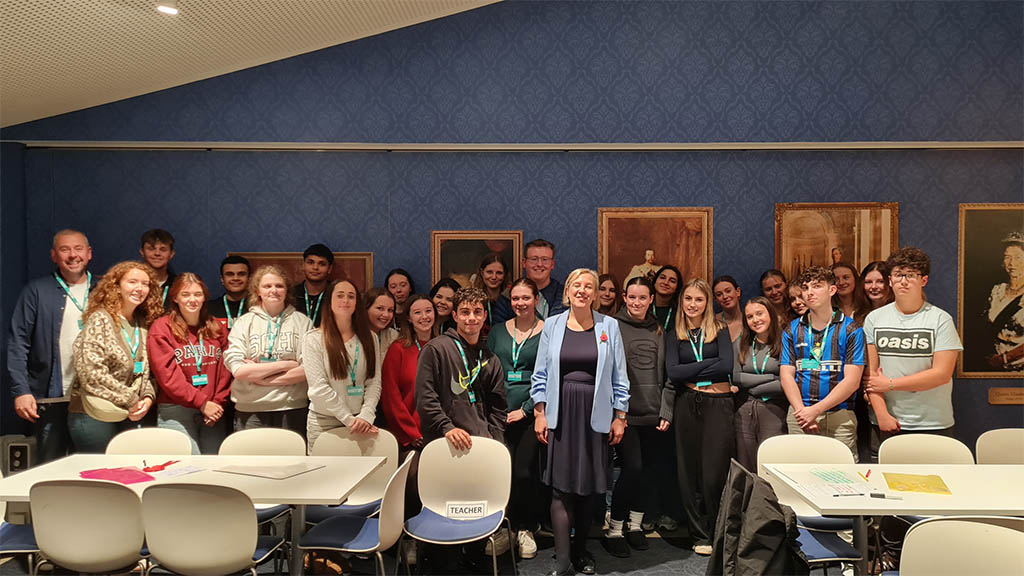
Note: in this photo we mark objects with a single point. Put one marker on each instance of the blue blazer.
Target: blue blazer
(612, 382)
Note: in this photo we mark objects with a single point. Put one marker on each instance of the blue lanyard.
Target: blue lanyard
(227, 310)
(471, 375)
(355, 364)
(816, 351)
(316, 309)
(133, 347)
(517, 350)
(489, 321)
(199, 356)
(753, 357)
(698, 353)
(81, 307)
(272, 336)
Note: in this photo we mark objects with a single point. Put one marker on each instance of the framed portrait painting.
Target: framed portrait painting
(357, 267)
(638, 241)
(815, 234)
(457, 253)
(990, 290)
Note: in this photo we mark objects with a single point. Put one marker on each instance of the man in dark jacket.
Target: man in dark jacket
(460, 385)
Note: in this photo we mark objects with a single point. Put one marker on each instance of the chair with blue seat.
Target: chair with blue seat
(149, 440)
(819, 539)
(359, 534)
(481, 474)
(952, 545)
(16, 539)
(365, 500)
(924, 449)
(87, 526)
(265, 442)
(204, 530)
(1002, 446)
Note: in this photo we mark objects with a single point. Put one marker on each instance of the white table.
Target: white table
(995, 490)
(329, 485)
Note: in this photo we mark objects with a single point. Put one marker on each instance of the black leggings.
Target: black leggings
(570, 511)
(705, 441)
(525, 499)
(637, 457)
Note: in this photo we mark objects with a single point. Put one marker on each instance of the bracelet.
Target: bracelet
(891, 385)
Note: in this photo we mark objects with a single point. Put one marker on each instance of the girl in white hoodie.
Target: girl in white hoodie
(264, 354)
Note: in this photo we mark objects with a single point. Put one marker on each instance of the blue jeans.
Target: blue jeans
(90, 436)
(205, 439)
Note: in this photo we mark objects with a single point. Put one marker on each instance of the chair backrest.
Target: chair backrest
(263, 442)
(799, 449)
(1003, 446)
(151, 441)
(87, 525)
(340, 442)
(955, 546)
(481, 474)
(199, 529)
(924, 449)
(392, 506)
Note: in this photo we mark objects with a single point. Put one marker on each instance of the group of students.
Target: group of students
(574, 378)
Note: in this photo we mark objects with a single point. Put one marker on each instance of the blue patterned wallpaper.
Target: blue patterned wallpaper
(616, 71)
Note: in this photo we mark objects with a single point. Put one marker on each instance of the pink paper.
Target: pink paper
(126, 475)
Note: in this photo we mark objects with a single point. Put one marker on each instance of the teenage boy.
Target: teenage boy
(822, 362)
(912, 351)
(317, 265)
(538, 262)
(47, 319)
(157, 250)
(234, 276)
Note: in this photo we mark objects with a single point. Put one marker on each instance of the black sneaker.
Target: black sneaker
(616, 546)
(637, 540)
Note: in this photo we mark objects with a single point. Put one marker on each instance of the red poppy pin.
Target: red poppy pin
(604, 336)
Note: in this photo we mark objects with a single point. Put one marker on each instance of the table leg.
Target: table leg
(298, 528)
(860, 542)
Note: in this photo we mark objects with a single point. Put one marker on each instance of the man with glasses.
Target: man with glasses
(912, 350)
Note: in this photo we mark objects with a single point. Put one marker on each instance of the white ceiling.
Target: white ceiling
(57, 56)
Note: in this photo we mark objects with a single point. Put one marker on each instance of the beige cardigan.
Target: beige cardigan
(104, 366)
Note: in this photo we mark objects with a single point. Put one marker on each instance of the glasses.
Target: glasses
(908, 276)
(540, 260)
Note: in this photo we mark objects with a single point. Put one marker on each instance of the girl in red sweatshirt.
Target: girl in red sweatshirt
(186, 354)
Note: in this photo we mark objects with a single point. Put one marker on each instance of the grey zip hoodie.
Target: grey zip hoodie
(645, 365)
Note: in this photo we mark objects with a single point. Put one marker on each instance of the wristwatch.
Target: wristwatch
(620, 415)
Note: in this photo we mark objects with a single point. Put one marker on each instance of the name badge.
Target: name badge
(809, 364)
(514, 376)
(81, 324)
(264, 360)
(138, 368)
(354, 390)
(704, 383)
(200, 380)
(472, 396)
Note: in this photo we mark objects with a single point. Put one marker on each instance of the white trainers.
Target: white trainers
(500, 542)
(527, 545)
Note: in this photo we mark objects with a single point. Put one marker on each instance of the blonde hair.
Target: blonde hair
(107, 295)
(254, 284)
(572, 278)
(708, 323)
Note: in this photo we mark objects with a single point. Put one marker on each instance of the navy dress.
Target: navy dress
(577, 456)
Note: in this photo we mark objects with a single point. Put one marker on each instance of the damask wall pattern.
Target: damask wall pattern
(616, 71)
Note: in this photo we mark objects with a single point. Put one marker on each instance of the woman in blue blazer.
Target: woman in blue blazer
(580, 392)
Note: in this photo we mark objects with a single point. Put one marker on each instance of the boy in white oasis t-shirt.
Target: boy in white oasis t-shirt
(912, 350)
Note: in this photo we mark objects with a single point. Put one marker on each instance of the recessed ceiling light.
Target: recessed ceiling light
(168, 7)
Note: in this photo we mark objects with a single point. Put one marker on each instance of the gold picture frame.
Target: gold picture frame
(981, 285)
(681, 235)
(813, 234)
(457, 253)
(356, 267)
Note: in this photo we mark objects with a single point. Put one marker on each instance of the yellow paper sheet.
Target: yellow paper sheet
(923, 483)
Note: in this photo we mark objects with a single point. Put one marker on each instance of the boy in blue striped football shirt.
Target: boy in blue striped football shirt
(821, 365)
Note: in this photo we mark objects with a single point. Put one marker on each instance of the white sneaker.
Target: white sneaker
(500, 542)
(527, 545)
(702, 549)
